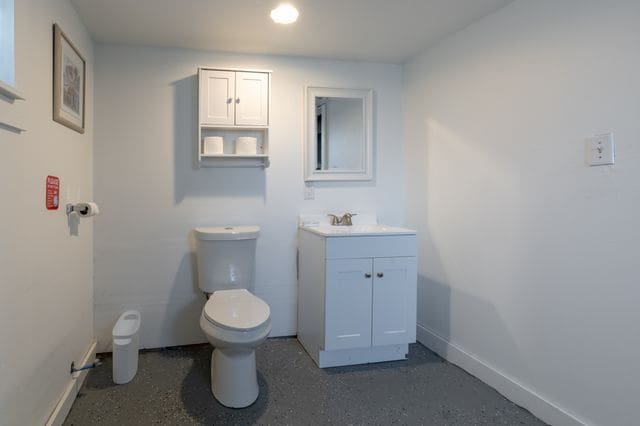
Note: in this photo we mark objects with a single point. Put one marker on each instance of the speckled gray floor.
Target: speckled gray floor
(172, 388)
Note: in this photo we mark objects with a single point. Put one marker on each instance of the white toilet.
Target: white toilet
(234, 320)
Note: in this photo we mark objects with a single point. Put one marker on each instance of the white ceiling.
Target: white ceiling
(373, 30)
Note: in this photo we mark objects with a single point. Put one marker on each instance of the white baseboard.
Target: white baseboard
(63, 406)
(510, 388)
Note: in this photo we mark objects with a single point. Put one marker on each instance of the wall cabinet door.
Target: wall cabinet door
(217, 97)
(394, 300)
(252, 99)
(348, 304)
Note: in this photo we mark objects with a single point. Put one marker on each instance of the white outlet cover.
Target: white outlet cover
(600, 150)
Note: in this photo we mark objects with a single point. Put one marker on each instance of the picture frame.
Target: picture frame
(69, 82)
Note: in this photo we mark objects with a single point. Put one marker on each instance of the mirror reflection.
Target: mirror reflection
(340, 142)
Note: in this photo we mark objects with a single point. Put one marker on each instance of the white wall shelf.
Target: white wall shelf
(210, 126)
(11, 128)
(9, 92)
(235, 160)
(205, 156)
(233, 103)
(229, 158)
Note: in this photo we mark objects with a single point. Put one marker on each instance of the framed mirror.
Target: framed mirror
(338, 134)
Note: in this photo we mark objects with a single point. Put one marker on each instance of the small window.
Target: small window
(7, 48)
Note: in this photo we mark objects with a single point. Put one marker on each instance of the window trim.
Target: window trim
(8, 87)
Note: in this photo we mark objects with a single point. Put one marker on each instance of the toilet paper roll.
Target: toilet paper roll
(213, 145)
(86, 209)
(246, 145)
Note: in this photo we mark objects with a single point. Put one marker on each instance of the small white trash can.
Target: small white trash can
(125, 347)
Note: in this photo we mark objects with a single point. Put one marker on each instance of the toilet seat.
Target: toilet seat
(236, 310)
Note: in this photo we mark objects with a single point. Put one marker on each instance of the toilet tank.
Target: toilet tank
(225, 257)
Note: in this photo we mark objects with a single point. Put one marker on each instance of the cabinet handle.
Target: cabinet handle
(367, 275)
(237, 100)
(230, 100)
(380, 274)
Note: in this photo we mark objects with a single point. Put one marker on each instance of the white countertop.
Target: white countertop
(364, 230)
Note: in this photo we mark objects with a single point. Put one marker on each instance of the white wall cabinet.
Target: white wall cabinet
(234, 98)
(233, 103)
(356, 297)
(252, 99)
(217, 97)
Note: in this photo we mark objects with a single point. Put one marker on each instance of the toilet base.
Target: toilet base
(234, 381)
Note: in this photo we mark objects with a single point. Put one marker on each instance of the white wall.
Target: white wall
(528, 258)
(151, 196)
(46, 292)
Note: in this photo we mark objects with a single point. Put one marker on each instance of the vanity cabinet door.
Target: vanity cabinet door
(394, 300)
(252, 99)
(348, 303)
(217, 97)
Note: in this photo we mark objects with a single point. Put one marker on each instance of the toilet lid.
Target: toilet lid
(236, 309)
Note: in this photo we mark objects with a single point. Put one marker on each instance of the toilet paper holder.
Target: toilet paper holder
(83, 209)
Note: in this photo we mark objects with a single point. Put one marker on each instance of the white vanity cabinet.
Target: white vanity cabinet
(356, 296)
(347, 304)
(231, 104)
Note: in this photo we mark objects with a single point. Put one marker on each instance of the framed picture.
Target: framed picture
(69, 72)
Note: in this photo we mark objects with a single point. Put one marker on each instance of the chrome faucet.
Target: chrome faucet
(344, 220)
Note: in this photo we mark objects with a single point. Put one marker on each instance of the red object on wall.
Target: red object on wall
(53, 192)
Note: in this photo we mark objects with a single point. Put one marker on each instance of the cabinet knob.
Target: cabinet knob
(380, 274)
(367, 275)
(237, 100)
(229, 100)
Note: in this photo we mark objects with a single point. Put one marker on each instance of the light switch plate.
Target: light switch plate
(600, 150)
(309, 193)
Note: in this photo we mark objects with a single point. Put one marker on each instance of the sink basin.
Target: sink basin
(357, 230)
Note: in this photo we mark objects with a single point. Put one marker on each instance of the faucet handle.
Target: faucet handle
(346, 218)
(334, 219)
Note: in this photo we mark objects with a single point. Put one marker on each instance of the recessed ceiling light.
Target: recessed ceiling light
(284, 14)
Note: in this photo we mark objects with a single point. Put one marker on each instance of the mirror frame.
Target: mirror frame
(310, 145)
